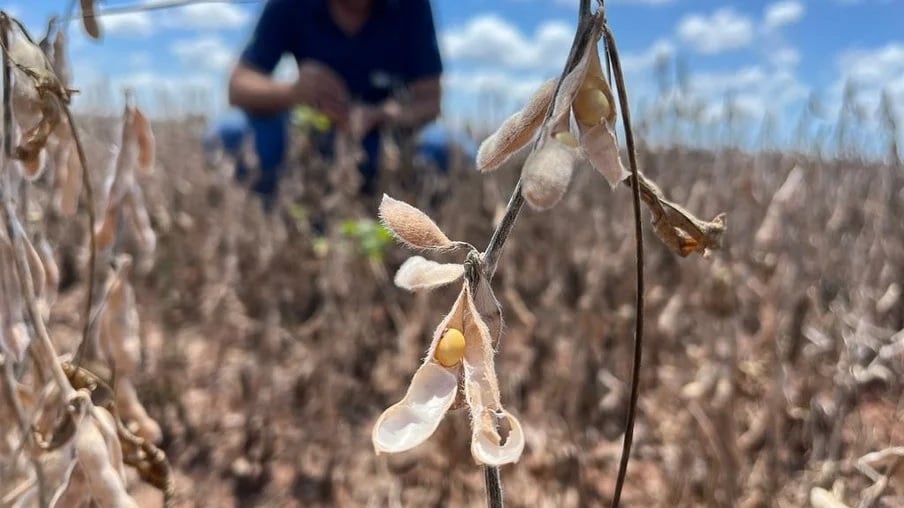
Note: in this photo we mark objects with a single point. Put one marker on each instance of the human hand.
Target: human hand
(320, 87)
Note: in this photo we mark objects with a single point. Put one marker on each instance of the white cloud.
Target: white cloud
(782, 13)
(723, 30)
(516, 87)
(208, 15)
(195, 16)
(489, 39)
(139, 59)
(131, 23)
(753, 89)
(873, 66)
(784, 57)
(644, 60)
(206, 51)
(871, 71)
(160, 95)
(720, 83)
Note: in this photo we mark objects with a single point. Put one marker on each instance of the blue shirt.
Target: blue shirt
(396, 45)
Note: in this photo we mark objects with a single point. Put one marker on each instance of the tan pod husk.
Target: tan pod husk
(516, 131)
(412, 226)
(547, 173)
(146, 143)
(491, 443)
(432, 392)
(601, 150)
(135, 210)
(418, 273)
(71, 186)
(97, 457)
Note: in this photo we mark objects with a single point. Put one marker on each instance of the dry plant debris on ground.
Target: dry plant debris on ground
(258, 354)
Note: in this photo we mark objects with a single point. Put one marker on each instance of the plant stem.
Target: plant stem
(612, 52)
(490, 258)
(7, 97)
(500, 235)
(92, 243)
(493, 482)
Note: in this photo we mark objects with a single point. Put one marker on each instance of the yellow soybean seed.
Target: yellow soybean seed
(451, 348)
(591, 106)
(566, 138)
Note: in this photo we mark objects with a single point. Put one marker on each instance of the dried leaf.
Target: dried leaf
(547, 173)
(516, 131)
(30, 150)
(696, 235)
(679, 229)
(601, 150)
(412, 226)
(418, 273)
(31, 62)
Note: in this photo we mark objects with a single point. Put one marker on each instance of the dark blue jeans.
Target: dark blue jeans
(270, 137)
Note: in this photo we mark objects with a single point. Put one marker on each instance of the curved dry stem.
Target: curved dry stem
(612, 53)
(92, 244)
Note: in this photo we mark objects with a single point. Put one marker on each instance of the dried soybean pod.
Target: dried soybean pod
(146, 142)
(104, 477)
(71, 187)
(89, 20)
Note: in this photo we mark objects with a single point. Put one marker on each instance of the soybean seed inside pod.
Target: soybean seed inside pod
(451, 348)
(591, 106)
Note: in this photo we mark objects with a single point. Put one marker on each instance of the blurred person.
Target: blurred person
(352, 55)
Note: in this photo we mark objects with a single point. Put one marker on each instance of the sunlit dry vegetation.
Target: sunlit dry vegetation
(195, 349)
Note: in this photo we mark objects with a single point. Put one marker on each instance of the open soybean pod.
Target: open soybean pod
(431, 393)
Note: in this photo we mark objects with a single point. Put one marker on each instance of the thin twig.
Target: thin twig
(612, 51)
(92, 244)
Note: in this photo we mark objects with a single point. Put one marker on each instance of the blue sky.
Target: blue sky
(769, 56)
